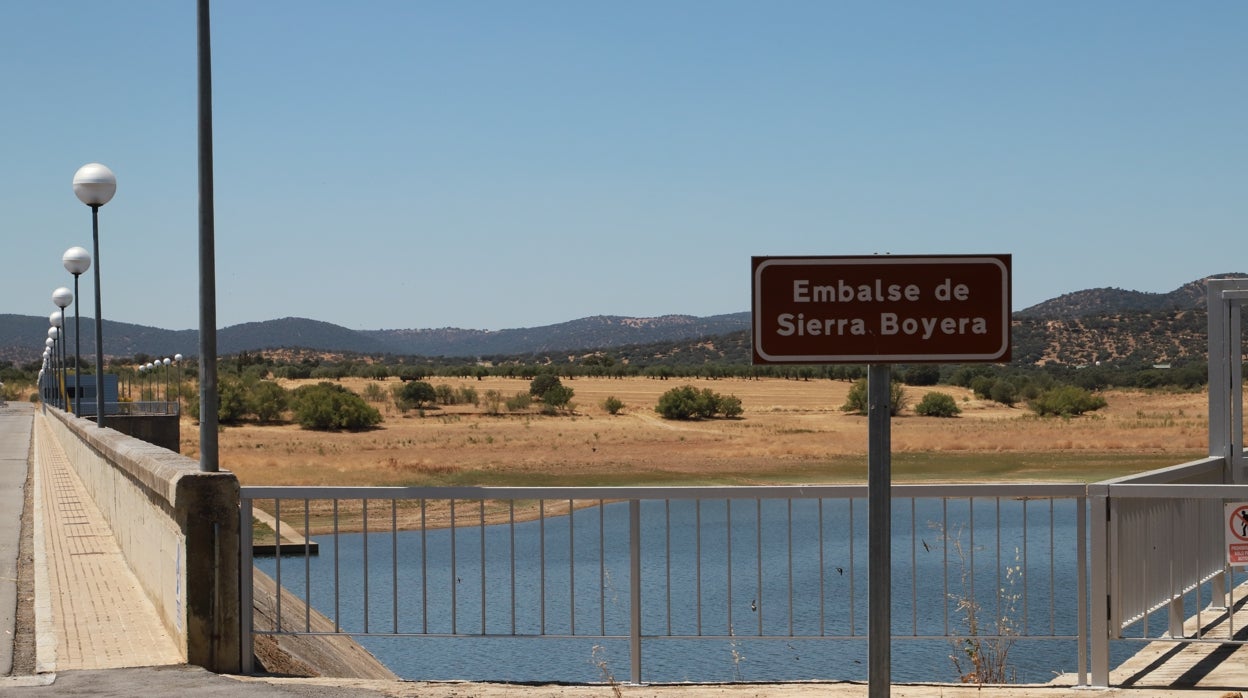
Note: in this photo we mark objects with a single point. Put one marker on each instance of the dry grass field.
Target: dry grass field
(790, 432)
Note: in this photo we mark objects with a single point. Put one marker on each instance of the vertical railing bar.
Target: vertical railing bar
(454, 574)
(853, 601)
(337, 585)
(1053, 565)
(667, 564)
(758, 542)
(944, 549)
(822, 631)
(246, 590)
(1173, 511)
(728, 503)
(914, 570)
(1026, 569)
(972, 524)
(634, 588)
(1231, 607)
(394, 562)
(572, 567)
(307, 567)
(790, 502)
(511, 525)
(999, 587)
(602, 568)
(1144, 584)
(697, 525)
(1081, 582)
(483, 581)
(424, 569)
(541, 558)
(366, 575)
(277, 558)
(1200, 520)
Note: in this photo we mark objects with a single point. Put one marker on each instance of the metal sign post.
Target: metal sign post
(879, 530)
(881, 310)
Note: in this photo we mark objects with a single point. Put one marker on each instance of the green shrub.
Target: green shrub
(493, 402)
(678, 403)
(937, 405)
(267, 400)
(445, 393)
(416, 394)
(519, 402)
(1066, 401)
(326, 406)
(687, 402)
(856, 400)
(543, 383)
(558, 397)
(1004, 392)
(729, 406)
(613, 405)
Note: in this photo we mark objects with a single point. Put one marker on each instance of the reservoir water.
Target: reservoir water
(762, 580)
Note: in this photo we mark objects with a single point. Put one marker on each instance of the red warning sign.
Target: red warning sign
(1237, 533)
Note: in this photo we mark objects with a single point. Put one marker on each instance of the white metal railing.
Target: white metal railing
(1158, 548)
(759, 563)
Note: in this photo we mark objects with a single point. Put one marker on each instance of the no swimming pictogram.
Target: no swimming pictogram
(1237, 533)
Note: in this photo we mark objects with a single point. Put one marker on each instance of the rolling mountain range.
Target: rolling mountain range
(1103, 324)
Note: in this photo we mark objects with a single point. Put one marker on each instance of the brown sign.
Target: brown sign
(881, 309)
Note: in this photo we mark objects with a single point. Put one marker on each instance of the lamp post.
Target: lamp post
(55, 320)
(77, 260)
(94, 185)
(177, 361)
(50, 343)
(61, 298)
(166, 361)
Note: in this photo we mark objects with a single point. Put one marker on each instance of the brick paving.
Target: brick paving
(93, 609)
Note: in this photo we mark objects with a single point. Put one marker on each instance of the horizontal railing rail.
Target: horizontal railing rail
(978, 563)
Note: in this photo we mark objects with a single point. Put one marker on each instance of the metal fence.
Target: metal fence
(986, 563)
(1159, 565)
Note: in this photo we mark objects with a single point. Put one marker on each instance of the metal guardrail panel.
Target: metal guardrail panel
(710, 563)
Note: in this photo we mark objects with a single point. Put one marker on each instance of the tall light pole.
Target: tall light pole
(209, 402)
(166, 361)
(94, 185)
(177, 361)
(61, 298)
(50, 343)
(55, 320)
(77, 260)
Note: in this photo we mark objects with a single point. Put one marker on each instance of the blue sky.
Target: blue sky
(413, 164)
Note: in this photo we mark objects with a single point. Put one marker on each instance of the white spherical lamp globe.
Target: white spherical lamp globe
(76, 260)
(94, 184)
(56, 319)
(62, 297)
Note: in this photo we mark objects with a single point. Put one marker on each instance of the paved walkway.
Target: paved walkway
(92, 616)
(91, 612)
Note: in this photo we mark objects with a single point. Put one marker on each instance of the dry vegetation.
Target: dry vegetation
(792, 431)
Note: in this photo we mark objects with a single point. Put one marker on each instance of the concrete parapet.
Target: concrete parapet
(177, 528)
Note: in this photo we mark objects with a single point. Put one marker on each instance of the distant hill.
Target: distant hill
(1102, 324)
(1113, 301)
(21, 337)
